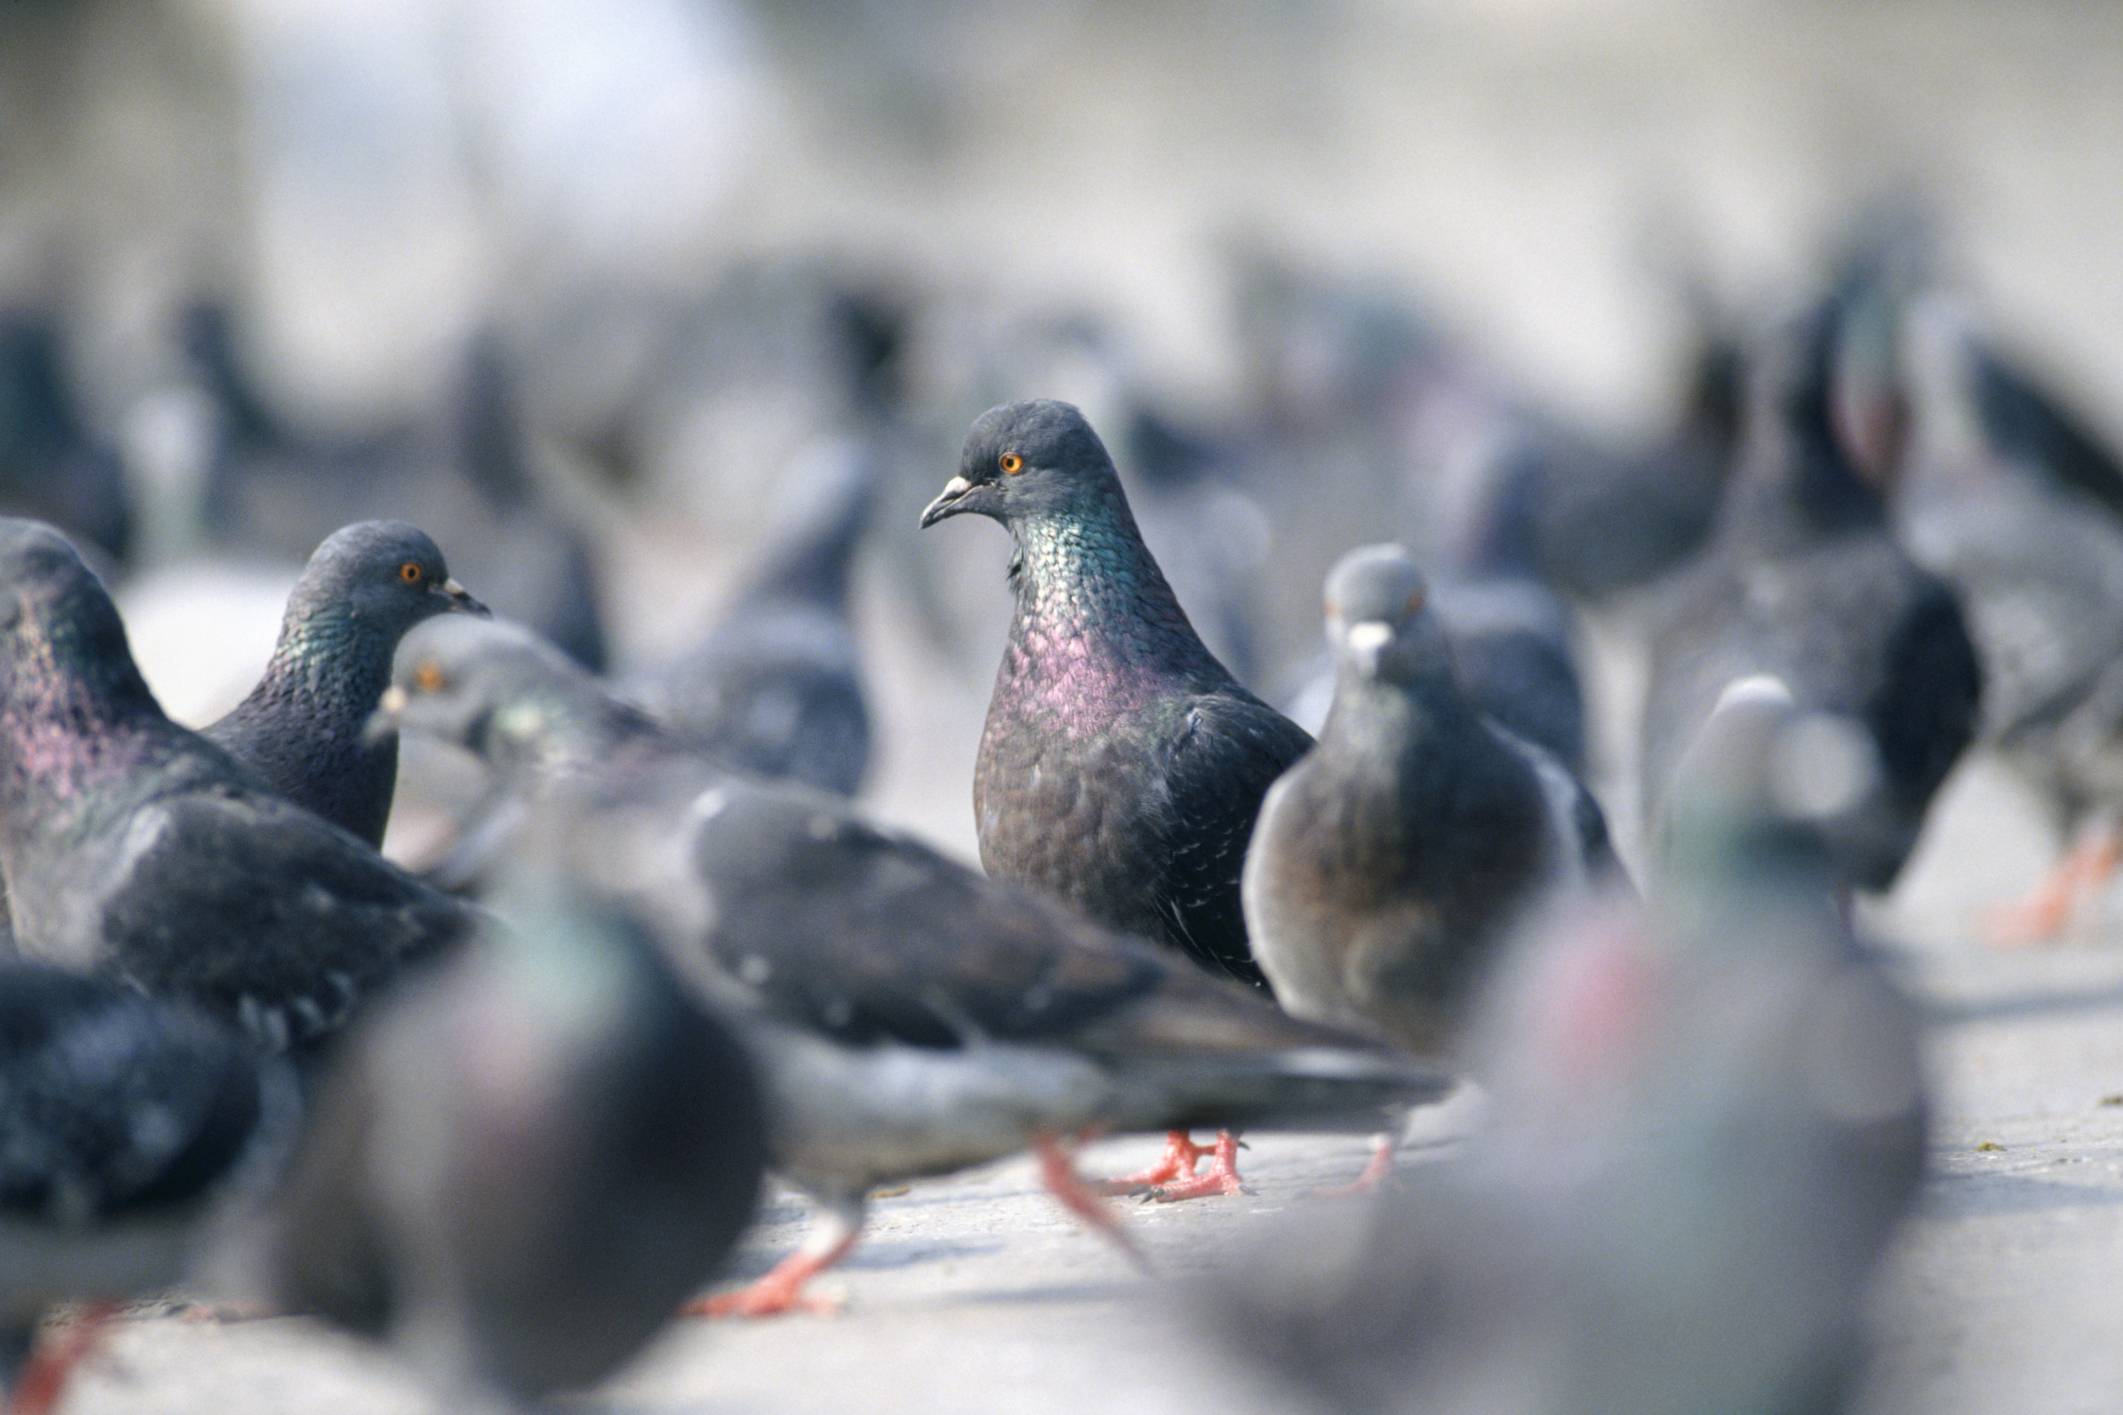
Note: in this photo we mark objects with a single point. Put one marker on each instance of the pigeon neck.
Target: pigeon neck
(63, 732)
(1374, 721)
(328, 666)
(570, 732)
(1089, 592)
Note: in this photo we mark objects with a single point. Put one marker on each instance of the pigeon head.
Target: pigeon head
(57, 622)
(1027, 461)
(384, 575)
(492, 688)
(1379, 619)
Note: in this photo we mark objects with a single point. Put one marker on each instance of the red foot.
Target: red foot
(780, 1292)
(2050, 906)
(55, 1359)
(1374, 1174)
(1058, 1172)
(1222, 1177)
(1180, 1157)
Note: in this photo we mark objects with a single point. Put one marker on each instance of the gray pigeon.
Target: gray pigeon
(1707, 1124)
(131, 1129)
(1395, 860)
(775, 688)
(2020, 525)
(302, 727)
(135, 848)
(1804, 580)
(1121, 767)
(516, 1174)
(913, 1018)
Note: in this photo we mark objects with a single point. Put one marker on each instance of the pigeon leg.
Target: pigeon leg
(1178, 1162)
(1222, 1177)
(1374, 1173)
(55, 1359)
(1057, 1170)
(781, 1290)
(2048, 909)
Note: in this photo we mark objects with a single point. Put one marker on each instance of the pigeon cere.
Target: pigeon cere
(792, 707)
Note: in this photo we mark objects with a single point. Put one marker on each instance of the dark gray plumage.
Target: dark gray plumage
(1708, 1122)
(1121, 767)
(1803, 580)
(913, 1016)
(775, 688)
(517, 1173)
(135, 848)
(302, 727)
(1395, 858)
(129, 1129)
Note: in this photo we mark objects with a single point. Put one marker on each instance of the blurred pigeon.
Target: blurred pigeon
(1708, 1121)
(1121, 767)
(516, 1174)
(131, 1128)
(1511, 636)
(133, 847)
(775, 689)
(2025, 528)
(463, 471)
(301, 728)
(1804, 580)
(913, 1017)
(1397, 857)
(52, 464)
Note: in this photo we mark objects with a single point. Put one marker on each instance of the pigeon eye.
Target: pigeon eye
(1415, 602)
(428, 677)
(1011, 463)
(411, 573)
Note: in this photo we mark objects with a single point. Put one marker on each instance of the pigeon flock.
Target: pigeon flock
(662, 955)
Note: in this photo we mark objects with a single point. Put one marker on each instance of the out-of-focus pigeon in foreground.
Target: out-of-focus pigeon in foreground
(130, 1130)
(912, 1017)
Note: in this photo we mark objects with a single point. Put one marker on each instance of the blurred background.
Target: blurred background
(586, 288)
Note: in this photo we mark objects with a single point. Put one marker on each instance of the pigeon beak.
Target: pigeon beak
(384, 720)
(461, 599)
(948, 503)
(1367, 643)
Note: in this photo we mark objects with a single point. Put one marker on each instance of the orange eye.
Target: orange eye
(1415, 601)
(411, 573)
(428, 677)
(1011, 464)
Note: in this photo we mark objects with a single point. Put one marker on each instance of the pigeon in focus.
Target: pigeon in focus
(133, 1130)
(775, 688)
(1707, 1123)
(912, 1017)
(1803, 580)
(1397, 858)
(303, 727)
(1121, 767)
(515, 1174)
(2027, 526)
(138, 849)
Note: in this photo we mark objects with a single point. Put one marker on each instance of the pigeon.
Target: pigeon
(1804, 580)
(515, 1174)
(912, 1016)
(1121, 767)
(775, 688)
(135, 848)
(1707, 1123)
(1395, 860)
(1511, 634)
(301, 728)
(2026, 529)
(134, 1130)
